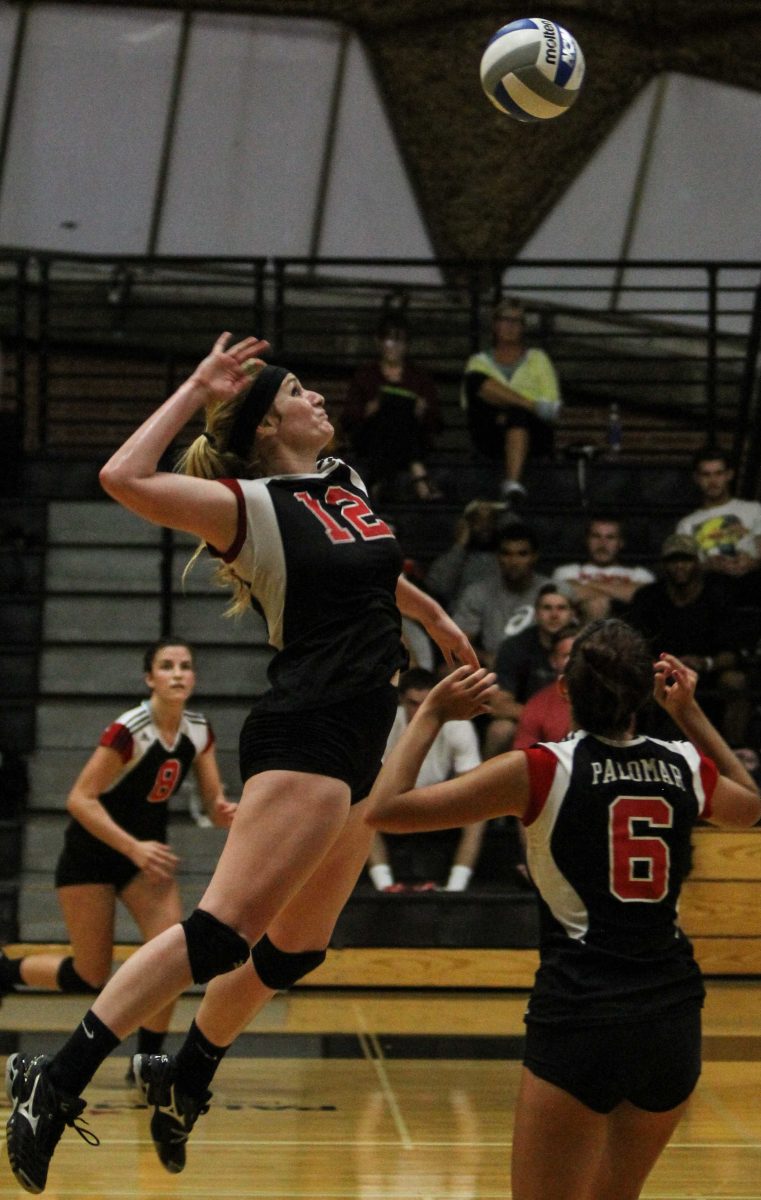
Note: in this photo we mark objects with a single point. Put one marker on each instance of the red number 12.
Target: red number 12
(353, 512)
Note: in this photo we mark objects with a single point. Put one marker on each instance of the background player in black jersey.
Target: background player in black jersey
(295, 536)
(115, 844)
(613, 1021)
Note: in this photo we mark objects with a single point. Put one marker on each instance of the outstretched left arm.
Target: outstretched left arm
(437, 623)
(492, 789)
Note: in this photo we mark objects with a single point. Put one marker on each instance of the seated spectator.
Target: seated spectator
(512, 398)
(472, 556)
(523, 665)
(602, 586)
(690, 611)
(727, 530)
(454, 751)
(546, 716)
(391, 415)
(486, 612)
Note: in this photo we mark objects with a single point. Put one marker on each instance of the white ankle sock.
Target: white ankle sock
(381, 876)
(459, 878)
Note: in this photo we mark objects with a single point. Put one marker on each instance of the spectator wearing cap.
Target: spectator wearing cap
(512, 397)
(688, 612)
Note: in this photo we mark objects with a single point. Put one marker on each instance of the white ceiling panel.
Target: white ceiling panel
(250, 136)
(702, 191)
(371, 208)
(87, 129)
(589, 220)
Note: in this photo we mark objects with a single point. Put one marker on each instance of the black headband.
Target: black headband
(254, 408)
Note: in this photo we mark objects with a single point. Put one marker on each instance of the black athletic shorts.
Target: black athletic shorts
(343, 741)
(653, 1064)
(85, 859)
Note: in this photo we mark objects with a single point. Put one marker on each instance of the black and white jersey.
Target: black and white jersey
(322, 569)
(152, 771)
(608, 833)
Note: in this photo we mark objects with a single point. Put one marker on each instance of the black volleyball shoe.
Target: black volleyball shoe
(40, 1115)
(174, 1112)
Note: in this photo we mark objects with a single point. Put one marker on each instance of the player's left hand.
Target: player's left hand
(451, 641)
(674, 684)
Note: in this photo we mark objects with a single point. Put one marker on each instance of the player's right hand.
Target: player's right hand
(462, 694)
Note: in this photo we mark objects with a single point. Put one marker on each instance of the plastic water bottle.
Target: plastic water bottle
(614, 429)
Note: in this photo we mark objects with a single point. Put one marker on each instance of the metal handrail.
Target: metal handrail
(684, 332)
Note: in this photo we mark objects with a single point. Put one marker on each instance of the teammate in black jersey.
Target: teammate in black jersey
(613, 1022)
(115, 845)
(296, 537)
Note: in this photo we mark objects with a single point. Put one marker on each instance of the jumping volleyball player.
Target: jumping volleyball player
(295, 536)
(613, 1021)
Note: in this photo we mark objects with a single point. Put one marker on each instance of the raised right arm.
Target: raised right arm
(131, 475)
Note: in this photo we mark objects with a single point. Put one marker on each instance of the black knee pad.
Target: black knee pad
(213, 947)
(279, 970)
(70, 980)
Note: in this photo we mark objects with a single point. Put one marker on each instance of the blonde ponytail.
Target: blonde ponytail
(207, 458)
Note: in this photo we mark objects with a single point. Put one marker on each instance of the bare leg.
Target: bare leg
(306, 923)
(379, 865)
(516, 452)
(285, 824)
(635, 1140)
(155, 906)
(563, 1150)
(466, 856)
(557, 1144)
(378, 853)
(469, 845)
(88, 910)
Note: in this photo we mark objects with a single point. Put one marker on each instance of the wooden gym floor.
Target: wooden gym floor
(372, 1095)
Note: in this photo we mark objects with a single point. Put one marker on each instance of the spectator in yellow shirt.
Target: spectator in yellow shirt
(512, 398)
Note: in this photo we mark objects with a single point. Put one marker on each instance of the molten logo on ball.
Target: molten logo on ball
(532, 69)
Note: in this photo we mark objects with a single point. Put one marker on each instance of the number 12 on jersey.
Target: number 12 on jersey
(354, 516)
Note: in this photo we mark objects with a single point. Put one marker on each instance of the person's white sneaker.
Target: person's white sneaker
(511, 490)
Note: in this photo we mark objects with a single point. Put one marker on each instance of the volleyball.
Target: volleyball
(532, 69)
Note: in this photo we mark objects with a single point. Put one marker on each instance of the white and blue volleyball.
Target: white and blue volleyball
(532, 69)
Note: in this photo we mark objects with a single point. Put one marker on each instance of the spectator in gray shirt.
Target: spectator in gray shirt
(488, 612)
(472, 556)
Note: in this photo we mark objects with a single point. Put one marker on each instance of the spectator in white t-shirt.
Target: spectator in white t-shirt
(602, 586)
(727, 530)
(454, 751)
